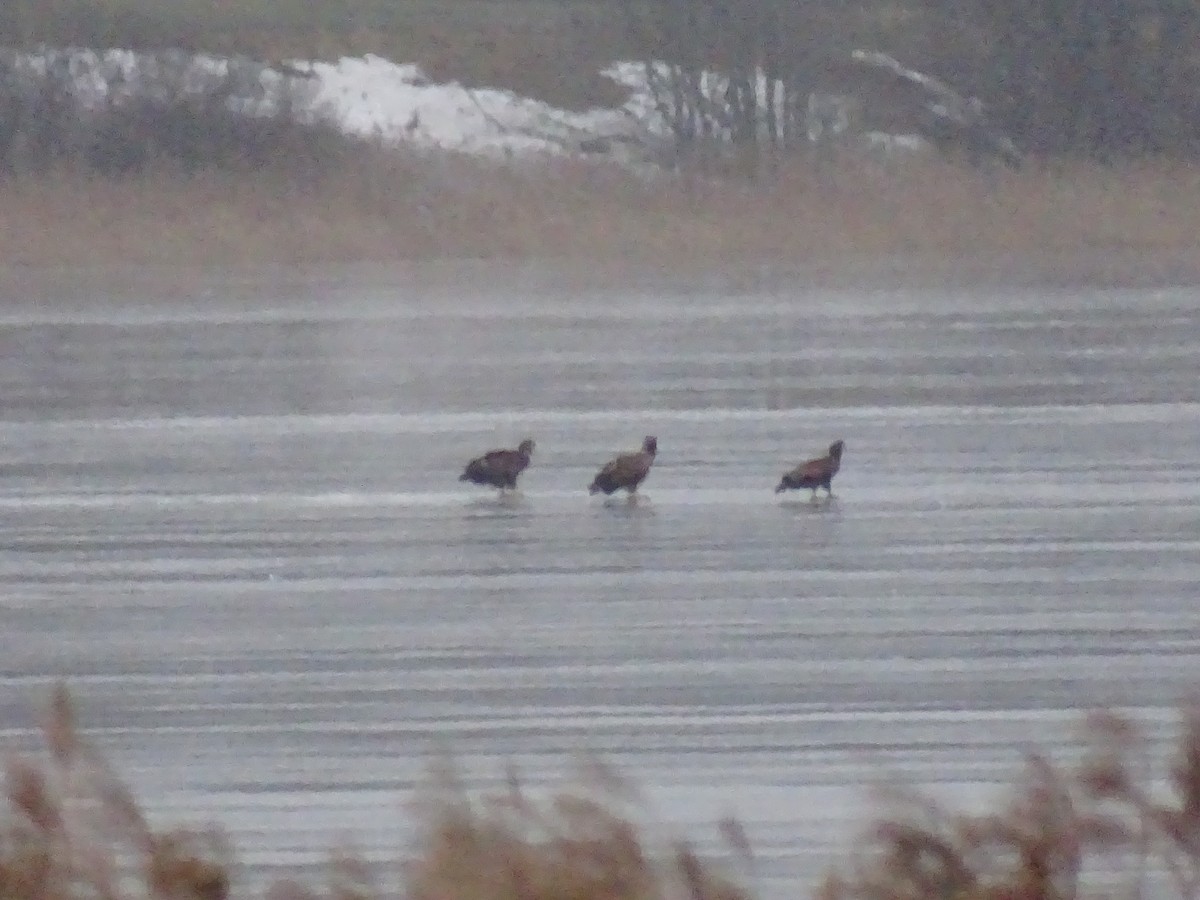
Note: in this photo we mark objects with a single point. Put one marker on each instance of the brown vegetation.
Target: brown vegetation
(186, 184)
(575, 844)
(70, 828)
(1135, 831)
(1110, 827)
(395, 207)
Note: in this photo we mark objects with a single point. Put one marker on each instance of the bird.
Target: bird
(814, 473)
(499, 468)
(627, 470)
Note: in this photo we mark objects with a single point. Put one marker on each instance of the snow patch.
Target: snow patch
(372, 96)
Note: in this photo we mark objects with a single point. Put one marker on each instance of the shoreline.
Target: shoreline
(76, 286)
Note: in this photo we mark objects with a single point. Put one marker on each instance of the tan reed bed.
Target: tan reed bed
(393, 206)
(1109, 826)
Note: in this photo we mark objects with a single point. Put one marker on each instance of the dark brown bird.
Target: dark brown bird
(626, 471)
(814, 473)
(499, 468)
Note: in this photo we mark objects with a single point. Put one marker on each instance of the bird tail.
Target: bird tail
(604, 482)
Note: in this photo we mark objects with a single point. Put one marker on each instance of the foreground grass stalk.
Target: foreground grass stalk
(1111, 826)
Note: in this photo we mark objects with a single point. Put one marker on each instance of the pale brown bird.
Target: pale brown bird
(626, 471)
(814, 473)
(499, 468)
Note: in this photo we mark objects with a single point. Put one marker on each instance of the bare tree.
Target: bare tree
(720, 75)
(1103, 78)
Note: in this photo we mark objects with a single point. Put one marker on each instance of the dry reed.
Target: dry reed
(399, 207)
(69, 828)
(1113, 816)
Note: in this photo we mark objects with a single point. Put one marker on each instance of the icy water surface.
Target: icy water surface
(235, 529)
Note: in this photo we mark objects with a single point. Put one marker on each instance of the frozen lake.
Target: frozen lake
(233, 525)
